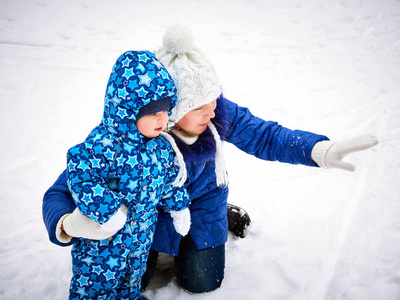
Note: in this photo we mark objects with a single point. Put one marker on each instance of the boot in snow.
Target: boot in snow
(238, 220)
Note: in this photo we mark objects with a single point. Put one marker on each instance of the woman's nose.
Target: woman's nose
(210, 111)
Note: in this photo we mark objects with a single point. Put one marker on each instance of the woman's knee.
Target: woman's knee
(199, 271)
(200, 285)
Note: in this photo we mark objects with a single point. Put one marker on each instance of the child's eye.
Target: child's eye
(159, 112)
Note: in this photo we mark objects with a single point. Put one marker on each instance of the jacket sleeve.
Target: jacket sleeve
(57, 202)
(267, 139)
(86, 173)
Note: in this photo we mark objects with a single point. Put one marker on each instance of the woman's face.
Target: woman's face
(195, 121)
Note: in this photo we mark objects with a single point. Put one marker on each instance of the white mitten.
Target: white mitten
(328, 154)
(117, 221)
(78, 225)
(181, 220)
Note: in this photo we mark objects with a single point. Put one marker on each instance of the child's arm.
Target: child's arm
(63, 220)
(174, 197)
(86, 173)
(176, 202)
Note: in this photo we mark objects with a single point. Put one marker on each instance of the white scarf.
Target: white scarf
(220, 170)
(182, 174)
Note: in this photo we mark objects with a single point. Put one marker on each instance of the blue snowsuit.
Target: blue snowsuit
(117, 165)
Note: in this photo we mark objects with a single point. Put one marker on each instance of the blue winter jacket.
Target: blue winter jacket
(264, 139)
(208, 208)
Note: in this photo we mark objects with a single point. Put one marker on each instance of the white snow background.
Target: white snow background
(330, 67)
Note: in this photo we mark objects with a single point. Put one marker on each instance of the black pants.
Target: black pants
(197, 271)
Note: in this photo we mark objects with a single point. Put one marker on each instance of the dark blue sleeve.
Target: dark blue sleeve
(57, 201)
(268, 140)
(166, 239)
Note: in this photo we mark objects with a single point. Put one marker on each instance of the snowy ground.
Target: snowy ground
(331, 67)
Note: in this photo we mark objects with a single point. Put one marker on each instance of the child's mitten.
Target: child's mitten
(328, 154)
(181, 220)
(78, 225)
(117, 221)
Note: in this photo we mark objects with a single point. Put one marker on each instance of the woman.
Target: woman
(204, 118)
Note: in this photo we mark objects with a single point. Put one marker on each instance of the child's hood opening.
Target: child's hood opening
(136, 78)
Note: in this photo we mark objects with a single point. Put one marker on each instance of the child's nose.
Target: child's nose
(163, 117)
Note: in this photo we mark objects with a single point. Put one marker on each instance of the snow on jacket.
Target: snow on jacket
(265, 139)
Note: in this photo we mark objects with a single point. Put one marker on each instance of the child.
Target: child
(119, 174)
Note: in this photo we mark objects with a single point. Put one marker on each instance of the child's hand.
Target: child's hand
(329, 155)
(78, 225)
(181, 220)
(117, 221)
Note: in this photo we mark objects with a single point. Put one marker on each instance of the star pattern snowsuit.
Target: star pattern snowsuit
(117, 165)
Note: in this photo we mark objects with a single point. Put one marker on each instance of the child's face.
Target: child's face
(195, 121)
(152, 125)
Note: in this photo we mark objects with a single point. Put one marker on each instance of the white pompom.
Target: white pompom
(178, 39)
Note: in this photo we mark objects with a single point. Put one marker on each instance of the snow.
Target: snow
(330, 67)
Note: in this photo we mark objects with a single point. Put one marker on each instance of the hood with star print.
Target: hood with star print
(136, 79)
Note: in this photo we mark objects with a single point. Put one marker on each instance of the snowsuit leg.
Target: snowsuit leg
(129, 286)
(96, 269)
(112, 268)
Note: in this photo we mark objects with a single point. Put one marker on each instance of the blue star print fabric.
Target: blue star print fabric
(117, 165)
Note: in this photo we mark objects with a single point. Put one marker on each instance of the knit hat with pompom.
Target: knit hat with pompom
(194, 77)
(196, 82)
